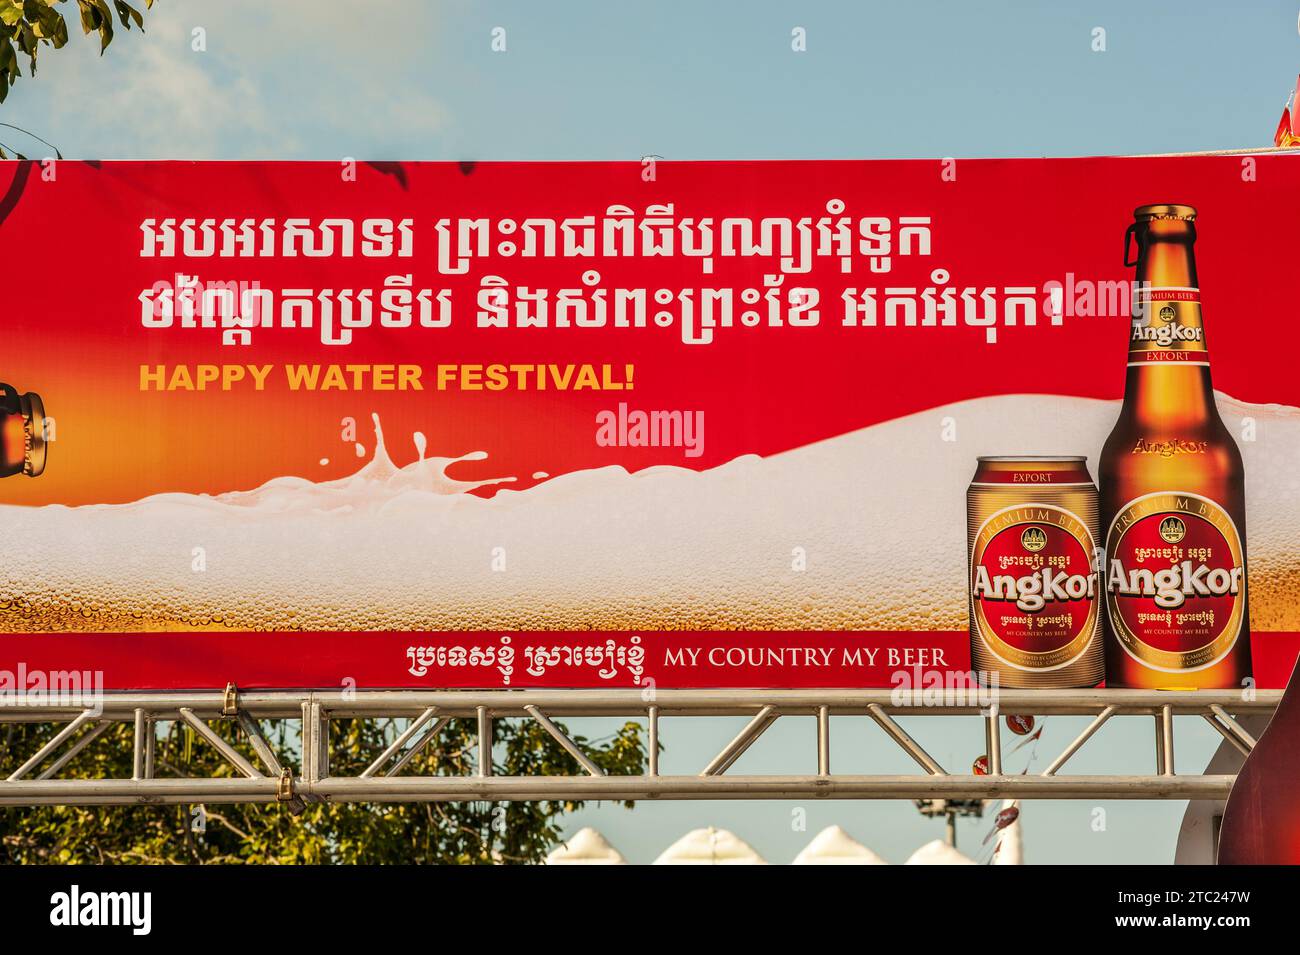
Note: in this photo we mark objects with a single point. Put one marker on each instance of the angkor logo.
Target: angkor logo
(1033, 539)
(1168, 314)
(1173, 530)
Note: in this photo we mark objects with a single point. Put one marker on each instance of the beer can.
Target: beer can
(1035, 620)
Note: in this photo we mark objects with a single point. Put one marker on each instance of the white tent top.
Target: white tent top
(938, 852)
(587, 847)
(831, 846)
(834, 846)
(710, 847)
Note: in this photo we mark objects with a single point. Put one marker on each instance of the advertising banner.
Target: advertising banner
(681, 424)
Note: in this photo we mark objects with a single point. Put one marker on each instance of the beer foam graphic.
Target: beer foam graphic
(875, 518)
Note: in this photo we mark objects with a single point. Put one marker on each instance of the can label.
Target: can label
(1167, 327)
(1033, 586)
(1175, 581)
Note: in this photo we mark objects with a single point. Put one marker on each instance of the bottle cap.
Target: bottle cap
(1164, 210)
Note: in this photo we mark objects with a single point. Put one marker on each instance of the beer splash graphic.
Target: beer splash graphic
(378, 482)
(877, 513)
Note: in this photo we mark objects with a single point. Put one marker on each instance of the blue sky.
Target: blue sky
(581, 79)
(593, 79)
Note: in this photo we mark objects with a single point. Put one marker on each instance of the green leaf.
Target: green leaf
(89, 16)
(127, 13)
(27, 24)
(49, 25)
(105, 24)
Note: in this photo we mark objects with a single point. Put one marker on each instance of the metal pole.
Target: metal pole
(652, 715)
(1227, 735)
(1160, 747)
(308, 743)
(1167, 740)
(569, 745)
(420, 744)
(74, 749)
(902, 739)
(912, 786)
(51, 746)
(137, 738)
(322, 719)
(1079, 740)
(150, 747)
(736, 748)
(823, 741)
(401, 741)
(459, 704)
(86, 792)
(232, 755)
(253, 730)
(993, 745)
(1232, 726)
(484, 742)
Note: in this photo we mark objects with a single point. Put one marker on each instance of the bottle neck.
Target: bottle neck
(1168, 362)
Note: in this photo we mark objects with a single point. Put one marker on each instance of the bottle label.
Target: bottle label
(1069, 478)
(1175, 581)
(1167, 327)
(1034, 586)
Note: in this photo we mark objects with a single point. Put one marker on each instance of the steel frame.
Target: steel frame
(314, 710)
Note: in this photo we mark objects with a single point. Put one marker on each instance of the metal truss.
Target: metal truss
(312, 713)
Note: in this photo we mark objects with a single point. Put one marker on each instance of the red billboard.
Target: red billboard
(584, 424)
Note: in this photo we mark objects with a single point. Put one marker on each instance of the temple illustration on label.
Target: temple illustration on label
(1175, 581)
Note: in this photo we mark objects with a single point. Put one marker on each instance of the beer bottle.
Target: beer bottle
(22, 432)
(1173, 512)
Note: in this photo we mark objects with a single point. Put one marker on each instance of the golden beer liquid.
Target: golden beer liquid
(1168, 402)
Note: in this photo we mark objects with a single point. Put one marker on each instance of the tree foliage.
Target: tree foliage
(27, 25)
(466, 833)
